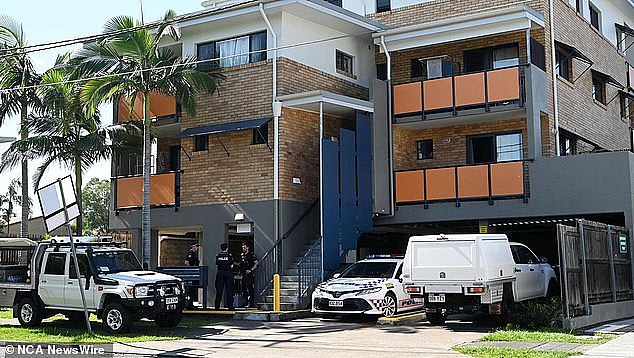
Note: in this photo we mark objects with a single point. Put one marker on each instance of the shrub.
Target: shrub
(533, 314)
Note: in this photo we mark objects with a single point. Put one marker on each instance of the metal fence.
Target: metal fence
(595, 266)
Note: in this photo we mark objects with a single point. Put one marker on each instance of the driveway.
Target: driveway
(314, 337)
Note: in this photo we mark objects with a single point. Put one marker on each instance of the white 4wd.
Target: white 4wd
(115, 287)
(471, 273)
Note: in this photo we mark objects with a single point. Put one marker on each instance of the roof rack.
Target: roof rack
(67, 243)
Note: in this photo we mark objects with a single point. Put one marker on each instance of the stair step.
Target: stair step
(283, 299)
(289, 278)
(283, 306)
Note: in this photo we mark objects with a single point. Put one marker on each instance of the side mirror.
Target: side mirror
(543, 259)
(336, 275)
(400, 279)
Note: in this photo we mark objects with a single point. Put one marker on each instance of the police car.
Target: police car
(370, 286)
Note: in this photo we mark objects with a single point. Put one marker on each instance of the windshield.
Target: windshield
(115, 261)
(370, 270)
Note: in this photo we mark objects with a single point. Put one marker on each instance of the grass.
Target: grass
(495, 352)
(544, 336)
(58, 329)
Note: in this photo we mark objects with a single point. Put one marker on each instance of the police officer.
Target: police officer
(247, 267)
(224, 277)
(192, 260)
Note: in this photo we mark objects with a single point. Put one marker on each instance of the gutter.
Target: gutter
(554, 76)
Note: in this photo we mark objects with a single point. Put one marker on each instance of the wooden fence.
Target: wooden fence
(595, 264)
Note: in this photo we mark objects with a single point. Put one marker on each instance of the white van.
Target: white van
(471, 273)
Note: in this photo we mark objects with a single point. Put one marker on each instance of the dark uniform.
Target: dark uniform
(224, 279)
(248, 279)
(192, 260)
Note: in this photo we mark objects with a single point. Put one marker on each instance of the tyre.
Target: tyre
(389, 306)
(553, 289)
(29, 313)
(169, 320)
(436, 318)
(116, 318)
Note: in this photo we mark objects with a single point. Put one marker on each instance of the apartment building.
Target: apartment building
(246, 167)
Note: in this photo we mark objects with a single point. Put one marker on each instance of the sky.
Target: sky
(49, 21)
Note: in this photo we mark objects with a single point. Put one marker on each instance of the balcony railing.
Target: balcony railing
(458, 92)
(162, 107)
(164, 190)
(462, 183)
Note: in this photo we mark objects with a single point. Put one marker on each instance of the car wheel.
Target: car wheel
(389, 306)
(436, 318)
(29, 313)
(169, 320)
(116, 318)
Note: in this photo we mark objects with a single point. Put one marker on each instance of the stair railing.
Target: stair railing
(269, 264)
(310, 273)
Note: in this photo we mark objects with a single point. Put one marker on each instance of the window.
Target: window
(579, 6)
(563, 65)
(260, 135)
(335, 2)
(595, 17)
(381, 71)
(344, 62)
(567, 143)
(201, 142)
(55, 264)
(416, 70)
(382, 5)
(522, 255)
(598, 89)
(488, 58)
(233, 52)
(491, 148)
(424, 149)
(84, 267)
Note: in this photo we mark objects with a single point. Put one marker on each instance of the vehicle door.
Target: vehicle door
(52, 280)
(537, 270)
(72, 296)
(398, 289)
(526, 272)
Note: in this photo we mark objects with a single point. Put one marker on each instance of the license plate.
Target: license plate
(171, 300)
(170, 307)
(436, 298)
(333, 303)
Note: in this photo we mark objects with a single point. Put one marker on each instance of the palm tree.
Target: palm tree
(18, 78)
(11, 198)
(62, 132)
(131, 65)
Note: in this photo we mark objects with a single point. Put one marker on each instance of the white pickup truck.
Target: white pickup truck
(39, 280)
(471, 273)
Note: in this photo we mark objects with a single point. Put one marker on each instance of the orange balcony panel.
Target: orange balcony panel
(469, 89)
(438, 93)
(407, 98)
(441, 184)
(473, 181)
(409, 186)
(507, 179)
(160, 106)
(130, 191)
(503, 85)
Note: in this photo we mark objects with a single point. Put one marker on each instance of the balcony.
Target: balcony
(504, 180)
(164, 190)
(163, 109)
(466, 94)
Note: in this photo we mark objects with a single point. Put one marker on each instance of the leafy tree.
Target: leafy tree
(11, 198)
(17, 92)
(62, 132)
(96, 200)
(130, 65)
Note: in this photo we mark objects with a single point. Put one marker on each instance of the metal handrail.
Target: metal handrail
(268, 263)
(309, 272)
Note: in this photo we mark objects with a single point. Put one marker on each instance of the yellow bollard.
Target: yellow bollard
(276, 293)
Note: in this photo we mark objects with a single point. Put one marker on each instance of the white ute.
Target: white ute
(471, 273)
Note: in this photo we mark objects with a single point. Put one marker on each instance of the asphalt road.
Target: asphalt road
(314, 337)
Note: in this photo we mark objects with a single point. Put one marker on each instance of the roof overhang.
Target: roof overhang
(333, 104)
(225, 127)
(458, 28)
(607, 78)
(572, 51)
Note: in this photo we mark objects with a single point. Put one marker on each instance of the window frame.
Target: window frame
(594, 9)
(344, 55)
(599, 86)
(71, 267)
(200, 144)
(260, 135)
(488, 56)
(384, 7)
(559, 59)
(495, 135)
(252, 56)
(62, 255)
(420, 149)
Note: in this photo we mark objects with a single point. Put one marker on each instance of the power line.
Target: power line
(86, 79)
(10, 51)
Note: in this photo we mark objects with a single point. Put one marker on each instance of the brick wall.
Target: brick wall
(449, 143)
(578, 112)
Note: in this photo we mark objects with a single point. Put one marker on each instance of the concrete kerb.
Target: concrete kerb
(402, 319)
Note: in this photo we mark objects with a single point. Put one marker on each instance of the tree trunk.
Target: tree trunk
(9, 212)
(24, 134)
(78, 182)
(147, 147)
